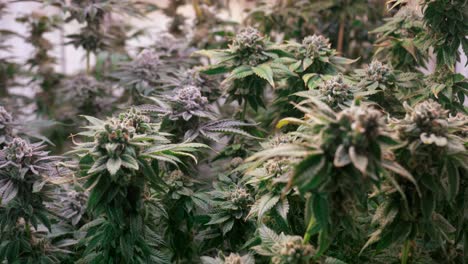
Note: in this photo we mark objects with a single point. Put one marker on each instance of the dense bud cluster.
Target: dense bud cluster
(73, 206)
(248, 38)
(335, 92)
(249, 45)
(291, 250)
(314, 44)
(146, 65)
(240, 196)
(233, 258)
(277, 165)
(364, 120)
(188, 101)
(174, 177)
(236, 162)
(377, 71)
(5, 117)
(190, 96)
(123, 128)
(280, 139)
(428, 120)
(82, 89)
(134, 118)
(18, 151)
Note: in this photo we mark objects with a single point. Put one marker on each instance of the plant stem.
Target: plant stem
(405, 252)
(341, 37)
(88, 67)
(196, 7)
(244, 111)
(309, 227)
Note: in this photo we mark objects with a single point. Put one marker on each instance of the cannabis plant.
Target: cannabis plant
(335, 92)
(292, 18)
(92, 37)
(120, 165)
(386, 86)
(187, 113)
(346, 153)
(85, 95)
(284, 249)
(142, 75)
(251, 63)
(231, 203)
(399, 41)
(436, 156)
(42, 63)
(27, 174)
(447, 88)
(8, 68)
(181, 201)
(273, 202)
(446, 22)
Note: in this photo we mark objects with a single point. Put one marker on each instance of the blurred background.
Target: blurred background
(70, 58)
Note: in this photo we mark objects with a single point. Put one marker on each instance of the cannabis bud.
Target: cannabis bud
(364, 120)
(233, 258)
(248, 38)
(335, 92)
(5, 117)
(146, 65)
(428, 120)
(291, 250)
(377, 71)
(188, 101)
(73, 205)
(276, 165)
(82, 89)
(249, 45)
(314, 44)
(236, 162)
(5, 121)
(18, 150)
(135, 119)
(239, 196)
(174, 177)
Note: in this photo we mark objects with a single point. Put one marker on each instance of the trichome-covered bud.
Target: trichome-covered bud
(82, 89)
(188, 101)
(240, 196)
(73, 205)
(377, 71)
(236, 162)
(428, 120)
(135, 119)
(18, 150)
(335, 92)
(191, 97)
(175, 176)
(364, 120)
(314, 44)
(233, 258)
(146, 65)
(292, 250)
(248, 38)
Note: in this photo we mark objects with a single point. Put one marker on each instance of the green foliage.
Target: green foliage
(435, 154)
(399, 40)
(119, 165)
(447, 24)
(311, 159)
